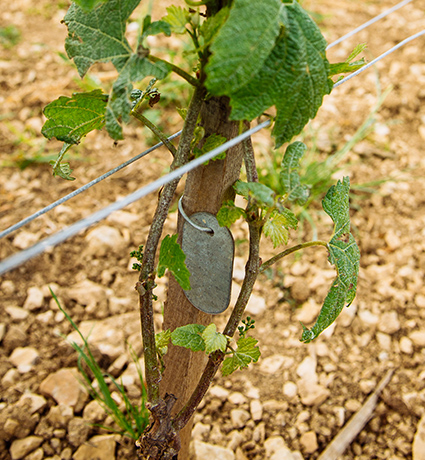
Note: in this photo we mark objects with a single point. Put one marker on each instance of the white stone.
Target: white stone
(2, 331)
(236, 439)
(307, 369)
(10, 377)
(8, 287)
(273, 444)
(368, 318)
(45, 317)
(219, 392)
(308, 442)
(35, 298)
(239, 417)
(418, 448)
(22, 447)
(271, 364)
(36, 403)
(65, 388)
(87, 293)
(283, 454)
(204, 451)
(24, 358)
(420, 300)
(418, 338)
(97, 447)
(389, 323)
(123, 218)
(312, 394)
(104, 239)
(256, 409)
(256, 305)
(384, 341)
(406, 345)
(290, 389)
(308, 311)
(94, 412)
(17, 313)
(200, 431)
(237, 398)
(25, 239)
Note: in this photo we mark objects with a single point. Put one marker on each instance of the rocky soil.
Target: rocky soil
(296, 399)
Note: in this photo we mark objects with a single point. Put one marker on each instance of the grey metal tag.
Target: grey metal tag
(209, 258)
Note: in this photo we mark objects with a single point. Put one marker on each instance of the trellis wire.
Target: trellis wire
(118, 168)
(368, 23)
(371, 63)
(82, 189)
(18, 259)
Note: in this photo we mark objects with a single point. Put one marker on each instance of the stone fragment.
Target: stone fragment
(307, 369)
(22, 447)
(98, 447)
(59, 416)
(384, 341)
(273, 444)
(312, 394)
(8, 287)
(200, 430)
(25, 239)
(284, 454)
(418, 338)
(367, 386)
(239, 455)
(418, 448)
(352, 405)
(406, 345)
(219, 392)
(36, 403)
(37, 454)
(24, 358)
(78, 431)
(271, 364)
(239, 417)
(104, 239)
(290, 389)
(420, 300)
(259, 433)
(35, 298)
(236, 438)
(367, 318)
(65, 388)
(15, 337)
(237, 398)
(94, 412)
(256, 409)
(256, 305)
(308, 311)
(10, 377)
(87, 293)
(389, 323)
(123, 218)
(308, 442)
(204, 451)
(17, 313)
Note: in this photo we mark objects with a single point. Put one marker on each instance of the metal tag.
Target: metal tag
(209, 258)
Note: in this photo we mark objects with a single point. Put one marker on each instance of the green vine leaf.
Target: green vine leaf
(293, 69)
(246, 353)
(214, 340)
(172, 257)
(262, 194)
(211, 143)
(344, 254)
(88, 5)
(229, 214)
(71, 118)
(106, 24)
(242, 45)
(212, 25)
(177, 18)
(276, 228)
(349, 65)
(162, 339)
(189, 336)
(289, 177)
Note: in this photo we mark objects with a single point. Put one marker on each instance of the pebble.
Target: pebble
(37, 454)
(256, 305)
(65, 388)
(367, 386)
(418, 448)
(271, 364)
(10, 377)
(307, 369)
(384, 341)
(308, 311)
(204, 451)
(236, 438)
(123, 218)
(103, 240)
(290, 389)
(2, 331)
(35, 298)
(273, 444)
(237, 398)
(24, 358)
(312, 394)
(97, 447)
(200, 430)
(78, 431)
(420, 300)
(59, 416)
(256, 409)
(94, 412)
(239, 417)
(22, 447)
(87, 293)
(406, 345)
(219, 392)
(259, 433)
(352, 405)
(17, 313)
(389, 323)
(418, 338)
(36, 403)
(15, 337)
(308, 442)
(8, 287)
(25, 239)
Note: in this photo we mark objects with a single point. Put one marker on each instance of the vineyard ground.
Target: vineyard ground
(253, 412)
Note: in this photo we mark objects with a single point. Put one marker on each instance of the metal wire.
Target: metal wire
(95, 181)
(82, 189)
(18, 259)
(368, 23)
(23, 256)
(371, 63)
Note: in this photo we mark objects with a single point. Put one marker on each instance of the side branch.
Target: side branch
(288, 251)
(147, 278)
(193, 81)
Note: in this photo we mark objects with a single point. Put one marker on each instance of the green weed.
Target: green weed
(9, 36)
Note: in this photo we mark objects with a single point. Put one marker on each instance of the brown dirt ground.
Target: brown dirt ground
(369, 338)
